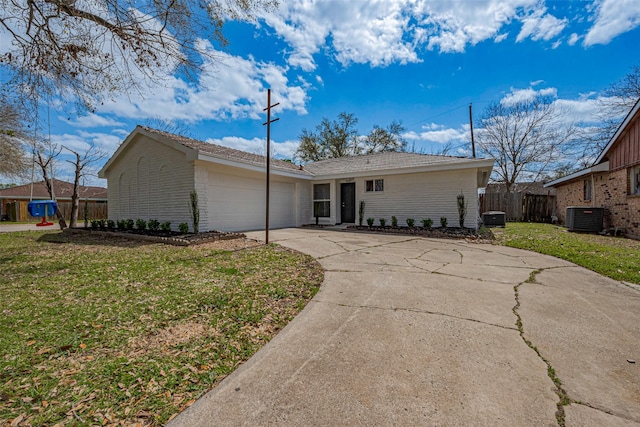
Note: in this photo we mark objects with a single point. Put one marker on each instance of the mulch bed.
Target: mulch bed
(439, 233)
(169, 237)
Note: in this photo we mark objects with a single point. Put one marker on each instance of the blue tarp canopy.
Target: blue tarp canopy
(39, 208)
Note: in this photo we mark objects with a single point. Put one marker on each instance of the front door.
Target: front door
(348, 199)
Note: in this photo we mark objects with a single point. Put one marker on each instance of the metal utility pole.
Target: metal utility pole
(473, 143)
(268, 124)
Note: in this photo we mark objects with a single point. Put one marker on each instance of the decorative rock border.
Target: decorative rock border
(178, 240)
(447, 233)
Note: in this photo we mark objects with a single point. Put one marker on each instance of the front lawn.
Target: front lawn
(615, 257)
(97, 331)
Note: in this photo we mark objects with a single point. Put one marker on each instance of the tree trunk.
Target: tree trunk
(75, 199)
(45, 175)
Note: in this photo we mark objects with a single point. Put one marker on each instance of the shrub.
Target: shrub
(141, 224)
(121, 224)
(128, 224)
(165, 226)
(94, 224)
(370, 222)
(102, 224)
(410, 222)
(111, 224)
(195, 210)
(183, 227)
(427, 222)
(153, 224)
(394, 222)
(361, 212)
(443, 221)
(383, 222)
(462, 209)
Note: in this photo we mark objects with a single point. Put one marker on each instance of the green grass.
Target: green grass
(96, 331)
(615, 257)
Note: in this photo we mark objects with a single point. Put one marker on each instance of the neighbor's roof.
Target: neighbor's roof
(533, 187)
(61, 190)
(391, 162)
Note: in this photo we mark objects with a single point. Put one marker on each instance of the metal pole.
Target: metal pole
(473, 143)
(268, 123)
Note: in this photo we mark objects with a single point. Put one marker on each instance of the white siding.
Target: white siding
(417, 195)
(150, 181)
(236, 200)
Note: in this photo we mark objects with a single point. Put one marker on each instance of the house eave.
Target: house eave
(472, 164)
(252, 167)
(619, 131)
(601, 167)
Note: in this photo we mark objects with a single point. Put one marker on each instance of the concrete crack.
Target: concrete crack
(563, 397)
(415, 310)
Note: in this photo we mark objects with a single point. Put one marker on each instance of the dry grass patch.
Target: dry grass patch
(109, 331)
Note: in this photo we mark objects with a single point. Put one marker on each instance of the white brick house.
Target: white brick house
(152, 173)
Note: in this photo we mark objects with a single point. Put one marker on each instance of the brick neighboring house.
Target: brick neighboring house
(14, 200)
(613, 182)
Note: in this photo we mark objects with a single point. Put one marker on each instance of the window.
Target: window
(587, 189)
(321, 200)
(634, 180)
(374, 185)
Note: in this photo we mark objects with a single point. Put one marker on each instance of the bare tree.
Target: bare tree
(613, 105)
(13, 156)
(87, 49)
(525, 138)
(81, 162)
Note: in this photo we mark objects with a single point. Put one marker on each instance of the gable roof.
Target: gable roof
(601, 167)
(61, 189)
(390, 162)
(385, 163)
(619, 131)
(209, 152)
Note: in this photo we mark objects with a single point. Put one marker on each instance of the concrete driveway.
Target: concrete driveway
(413, 331)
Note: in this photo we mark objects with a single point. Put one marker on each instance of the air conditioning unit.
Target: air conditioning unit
(494, 219)
(588, 219)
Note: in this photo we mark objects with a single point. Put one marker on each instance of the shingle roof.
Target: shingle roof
(230, 153)
(381, 161)
(61, 189)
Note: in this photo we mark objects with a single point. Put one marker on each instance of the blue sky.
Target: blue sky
(420, 62)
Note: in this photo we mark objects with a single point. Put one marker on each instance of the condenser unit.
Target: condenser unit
(494, 219)
(586, 219)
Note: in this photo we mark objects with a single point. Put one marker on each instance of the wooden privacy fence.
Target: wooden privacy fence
(519, 206)
(17, 211)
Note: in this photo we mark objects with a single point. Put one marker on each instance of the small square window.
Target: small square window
(374, 185)
(587, 189)
(634, 180)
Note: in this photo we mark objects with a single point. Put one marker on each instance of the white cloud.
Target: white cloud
(522, 95)
(540, 25)
(93, 120)
(440, 134)
(500, 37)
(573, 39)
(382, 32)
(613, 17)
(230, 88)
(281, 150)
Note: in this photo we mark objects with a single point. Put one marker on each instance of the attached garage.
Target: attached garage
(237, 203)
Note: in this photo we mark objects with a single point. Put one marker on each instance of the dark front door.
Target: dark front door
(348, 199)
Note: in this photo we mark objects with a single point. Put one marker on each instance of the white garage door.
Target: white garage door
(237, 203)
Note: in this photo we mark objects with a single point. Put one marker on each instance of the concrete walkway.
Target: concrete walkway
(413, 331)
